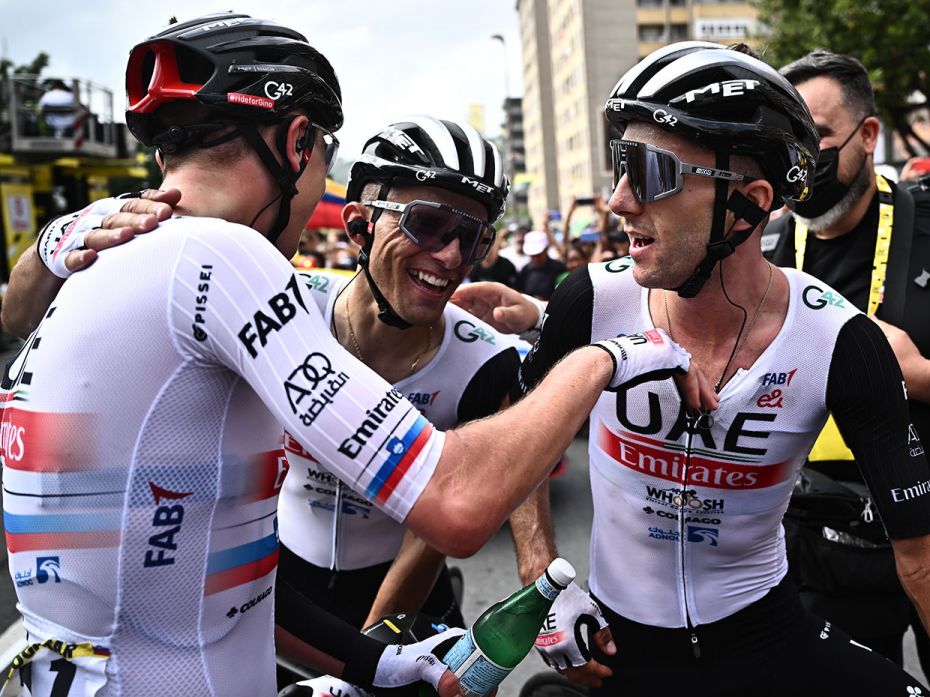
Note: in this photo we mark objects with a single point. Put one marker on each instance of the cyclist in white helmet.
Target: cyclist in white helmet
(142, 443)
(687, 552)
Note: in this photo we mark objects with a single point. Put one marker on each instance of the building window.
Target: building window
(718, 29)
(678, 32)
(651, 32)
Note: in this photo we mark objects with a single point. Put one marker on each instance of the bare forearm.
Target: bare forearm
(533, 539)
(31, 290)
(409, 581)
(488, 467)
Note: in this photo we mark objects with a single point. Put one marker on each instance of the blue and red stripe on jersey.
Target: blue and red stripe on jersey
(238, 565)
(61, 531)
(403, 452)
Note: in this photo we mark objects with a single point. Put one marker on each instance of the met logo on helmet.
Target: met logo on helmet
(478, 186)
(726, 88)
(615, 105)
(397, 137)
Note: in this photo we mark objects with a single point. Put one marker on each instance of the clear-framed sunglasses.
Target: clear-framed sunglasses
(654, 173)
(433, 225)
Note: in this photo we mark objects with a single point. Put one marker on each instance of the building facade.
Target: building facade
(574, 51)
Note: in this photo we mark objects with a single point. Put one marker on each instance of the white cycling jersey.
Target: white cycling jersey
(332, 525)
(141, 438)
(700, 518)
(687, 523)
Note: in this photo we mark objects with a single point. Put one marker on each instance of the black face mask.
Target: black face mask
(828, 189)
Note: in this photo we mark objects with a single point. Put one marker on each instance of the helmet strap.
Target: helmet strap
(722, 244)
(283, 177)
(386, 313)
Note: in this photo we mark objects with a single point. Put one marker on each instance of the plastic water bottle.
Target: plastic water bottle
(503, 635)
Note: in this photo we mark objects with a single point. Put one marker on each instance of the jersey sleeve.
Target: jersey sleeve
(493, 381)
(866, 394)
(566, 326)
(236, 302)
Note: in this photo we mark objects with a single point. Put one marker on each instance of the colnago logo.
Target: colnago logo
(12, 447)
(245, 607)
(374, 417)
(706, 535)
(678, 498)
(675, 516)
(725, 89)
(659, 459)
(48, 568)
(250, 100)
(899, 494)
(423, 399)
(283, 310)
(167, 521)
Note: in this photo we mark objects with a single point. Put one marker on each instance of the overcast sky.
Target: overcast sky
(393, 57)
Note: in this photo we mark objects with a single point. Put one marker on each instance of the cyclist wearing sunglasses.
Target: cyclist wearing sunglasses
(418, 242)
(688, 563)
(148, 402)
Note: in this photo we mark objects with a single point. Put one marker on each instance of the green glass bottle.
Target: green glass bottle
(503, 635)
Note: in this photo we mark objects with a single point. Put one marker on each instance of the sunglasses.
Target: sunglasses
(432, 226)
(654, 173)
(331, 145)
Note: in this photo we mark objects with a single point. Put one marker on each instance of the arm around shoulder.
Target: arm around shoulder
(31, 291)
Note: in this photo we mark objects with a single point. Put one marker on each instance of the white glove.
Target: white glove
(651, 355)
(326, 686)
(560, 642)
(67, 233)
(405, 664)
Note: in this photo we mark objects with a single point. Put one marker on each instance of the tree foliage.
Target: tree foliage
(891, 39)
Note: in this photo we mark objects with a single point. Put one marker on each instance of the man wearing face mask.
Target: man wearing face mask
(870, 240)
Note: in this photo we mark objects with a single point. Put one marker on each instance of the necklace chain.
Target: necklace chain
(358, 350)
(740, 340)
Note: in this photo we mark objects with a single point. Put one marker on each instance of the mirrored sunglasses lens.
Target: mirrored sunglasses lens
(651, 173)
(617, 155)
(434, 228)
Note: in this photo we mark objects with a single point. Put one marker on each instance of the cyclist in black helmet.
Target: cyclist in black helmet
(688, 561)
(142, 476)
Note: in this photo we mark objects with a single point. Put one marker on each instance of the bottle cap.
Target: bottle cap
(561, 572)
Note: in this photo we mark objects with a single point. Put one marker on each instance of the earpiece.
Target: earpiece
(358, 227)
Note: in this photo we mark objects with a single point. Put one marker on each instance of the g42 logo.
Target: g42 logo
(816, 298)
(619, 265)
(797, 173)
(468, 332)
(276, 90)
(662, 116)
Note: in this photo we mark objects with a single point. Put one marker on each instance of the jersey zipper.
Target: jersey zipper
(337, 514)
(695, 644)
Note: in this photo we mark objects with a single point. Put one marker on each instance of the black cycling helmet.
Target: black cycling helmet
(246, 72)
(733, 104)
(423, 150)
(241, 68)
(723, 100)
